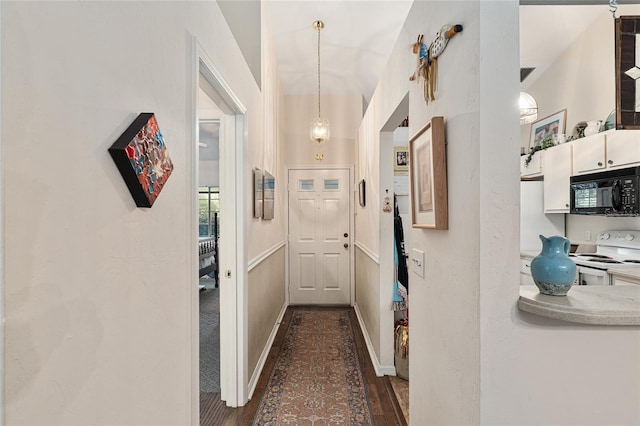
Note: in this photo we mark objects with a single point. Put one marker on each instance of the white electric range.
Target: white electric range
(619, 249)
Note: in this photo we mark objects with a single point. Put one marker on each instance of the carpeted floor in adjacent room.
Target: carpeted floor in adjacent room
(209, 337)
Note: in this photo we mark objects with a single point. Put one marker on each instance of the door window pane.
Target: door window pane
(331, 184)
(306, 185)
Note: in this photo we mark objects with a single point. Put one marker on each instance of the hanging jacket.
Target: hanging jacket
(403, 273)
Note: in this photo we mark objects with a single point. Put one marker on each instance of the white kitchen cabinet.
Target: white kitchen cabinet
(534, 168)
(612, 149)
(625, 276)
(557, 171)
(623, 148)
(525, 271)
(619, 281)
(589, 154)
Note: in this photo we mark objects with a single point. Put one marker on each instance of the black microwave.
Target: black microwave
(610, 193)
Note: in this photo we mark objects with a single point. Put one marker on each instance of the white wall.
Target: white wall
(443, 306)
(266, 301)
(447, 316)
(368, 297)
(344, 112)
(98, 299)
(475, 359)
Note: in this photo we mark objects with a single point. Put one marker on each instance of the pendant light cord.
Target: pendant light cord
(613, 6)
(319, 28)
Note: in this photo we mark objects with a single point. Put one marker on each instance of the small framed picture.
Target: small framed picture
(428, 169)
(362, 193)
(547, 127)
(401, 160)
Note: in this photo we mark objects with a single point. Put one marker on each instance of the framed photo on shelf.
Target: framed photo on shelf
(400, 160)
(428, 174)
(550, 126)
(627, 29)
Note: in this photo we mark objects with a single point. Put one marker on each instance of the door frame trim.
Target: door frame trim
(233, 321)
(352, 223)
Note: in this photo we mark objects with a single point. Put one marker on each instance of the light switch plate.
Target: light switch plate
(417, 262)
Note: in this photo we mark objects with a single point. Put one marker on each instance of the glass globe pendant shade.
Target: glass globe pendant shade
(528, 108)
(320, 130)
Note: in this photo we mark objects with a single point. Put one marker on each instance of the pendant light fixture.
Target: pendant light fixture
(528, 108)
(320, 131)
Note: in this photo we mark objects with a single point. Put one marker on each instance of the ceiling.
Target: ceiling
(355, 43)
(359, 36)
(209, 132)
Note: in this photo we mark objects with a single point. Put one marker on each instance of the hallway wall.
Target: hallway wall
(344, 113)
(266, 302)
(98, 303)
(368, 297)
(474, 357)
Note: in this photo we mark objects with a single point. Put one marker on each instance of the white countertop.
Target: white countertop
(601, 305)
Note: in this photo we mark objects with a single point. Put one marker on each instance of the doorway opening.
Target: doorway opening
(219, 247)
(209, 116)
(394, 143)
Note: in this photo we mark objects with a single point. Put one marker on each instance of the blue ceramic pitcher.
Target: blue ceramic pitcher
(552, 270)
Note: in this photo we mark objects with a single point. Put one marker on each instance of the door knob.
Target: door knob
(346, 245)
(346, 235)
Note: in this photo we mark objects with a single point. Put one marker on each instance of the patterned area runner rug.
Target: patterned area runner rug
(317, 377)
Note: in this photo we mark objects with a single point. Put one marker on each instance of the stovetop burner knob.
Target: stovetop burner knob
(629, 237)
(605, 236)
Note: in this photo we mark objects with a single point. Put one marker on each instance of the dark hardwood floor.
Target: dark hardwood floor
(382, 399)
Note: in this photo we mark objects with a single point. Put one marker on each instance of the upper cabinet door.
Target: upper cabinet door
(623, 148)
(534, 168)
(557, 172)
(589, 154)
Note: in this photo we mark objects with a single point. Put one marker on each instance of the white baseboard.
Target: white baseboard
(265, 352)
(381, 370)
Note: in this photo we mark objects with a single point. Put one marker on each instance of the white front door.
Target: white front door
(319, 237)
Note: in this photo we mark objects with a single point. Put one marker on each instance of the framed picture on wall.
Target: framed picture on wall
(268, 188)
(627, 70)
(547, 127)
(362, 193)
(257, 192)
(428, 173)
(141, 156)
(400, 160)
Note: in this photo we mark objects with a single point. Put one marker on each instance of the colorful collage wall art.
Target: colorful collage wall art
(141, 156)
